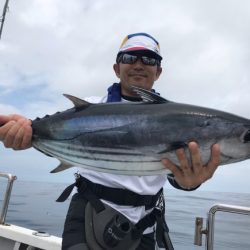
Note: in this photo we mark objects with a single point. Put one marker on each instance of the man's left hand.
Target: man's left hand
(190, 175)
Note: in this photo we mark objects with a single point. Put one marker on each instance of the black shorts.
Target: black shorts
(74, 228)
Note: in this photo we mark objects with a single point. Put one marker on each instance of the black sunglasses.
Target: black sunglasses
(131, 59)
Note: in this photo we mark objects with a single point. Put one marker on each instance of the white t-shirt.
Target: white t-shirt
(146, 185)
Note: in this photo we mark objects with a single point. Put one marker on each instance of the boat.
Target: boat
(20, 238)
(15, 237)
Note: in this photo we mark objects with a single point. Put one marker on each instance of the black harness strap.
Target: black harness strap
(116, 195)
(156, 216)
(66, 193)
(94, 192)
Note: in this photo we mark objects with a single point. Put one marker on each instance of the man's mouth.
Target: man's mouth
(137, 75)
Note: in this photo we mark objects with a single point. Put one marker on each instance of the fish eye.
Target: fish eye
(246, 137)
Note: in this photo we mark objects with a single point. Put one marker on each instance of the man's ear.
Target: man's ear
(158, 72)
(116, 68)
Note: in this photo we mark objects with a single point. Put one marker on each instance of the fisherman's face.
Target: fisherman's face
(137, 74)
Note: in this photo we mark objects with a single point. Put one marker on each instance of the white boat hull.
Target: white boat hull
(13, 237)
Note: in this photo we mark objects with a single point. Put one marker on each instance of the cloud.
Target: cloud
(8, 109)
(50, 47)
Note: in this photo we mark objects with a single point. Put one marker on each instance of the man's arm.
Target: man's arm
(191, 176)
(15, 131)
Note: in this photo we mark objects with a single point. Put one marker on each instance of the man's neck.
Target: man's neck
(131, 98)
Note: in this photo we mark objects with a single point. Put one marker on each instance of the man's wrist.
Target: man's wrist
(175, 184)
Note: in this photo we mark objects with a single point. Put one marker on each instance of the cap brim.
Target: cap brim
(141, 49)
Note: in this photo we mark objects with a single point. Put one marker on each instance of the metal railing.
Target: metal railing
(209, 231)
(6, 199)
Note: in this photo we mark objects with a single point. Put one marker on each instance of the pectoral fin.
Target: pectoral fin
(61, 167)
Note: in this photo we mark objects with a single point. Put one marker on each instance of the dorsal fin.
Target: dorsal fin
(148, 96)
(78, 103)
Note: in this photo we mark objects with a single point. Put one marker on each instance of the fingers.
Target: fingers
(195, 156)
(171, 166)
(215, 155)
(22, 138)
(6, 118)
(180, 175)
(184, 166)
(26, 142)
(194, 163)
(16, 132)
(183, 160)
(214, 161)
(191, 173)
(8, 133)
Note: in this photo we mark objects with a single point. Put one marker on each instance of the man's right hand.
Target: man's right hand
(15, 132)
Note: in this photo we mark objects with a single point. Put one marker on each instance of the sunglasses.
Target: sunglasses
(131, 59)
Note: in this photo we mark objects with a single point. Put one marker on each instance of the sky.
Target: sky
(51, 47)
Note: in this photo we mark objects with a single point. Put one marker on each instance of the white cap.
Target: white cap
(140, 41)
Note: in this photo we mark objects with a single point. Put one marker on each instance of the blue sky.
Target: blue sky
(50, 47)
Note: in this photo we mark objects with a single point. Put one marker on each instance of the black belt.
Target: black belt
(116, 195)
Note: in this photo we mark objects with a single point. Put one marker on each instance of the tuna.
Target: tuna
(133, 138)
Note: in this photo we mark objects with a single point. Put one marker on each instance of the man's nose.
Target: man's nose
(138, 64)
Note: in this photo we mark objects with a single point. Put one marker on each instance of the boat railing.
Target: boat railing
(11, 178)
(209, 230)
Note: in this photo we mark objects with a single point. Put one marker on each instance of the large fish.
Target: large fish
(132, 138)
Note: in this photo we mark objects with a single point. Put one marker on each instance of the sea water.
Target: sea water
(33, 205)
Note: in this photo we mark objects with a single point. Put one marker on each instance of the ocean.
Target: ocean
(33, 205)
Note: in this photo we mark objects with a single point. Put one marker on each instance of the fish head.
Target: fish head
(236, 147)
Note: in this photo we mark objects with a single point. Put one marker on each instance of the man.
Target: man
(126, 207)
